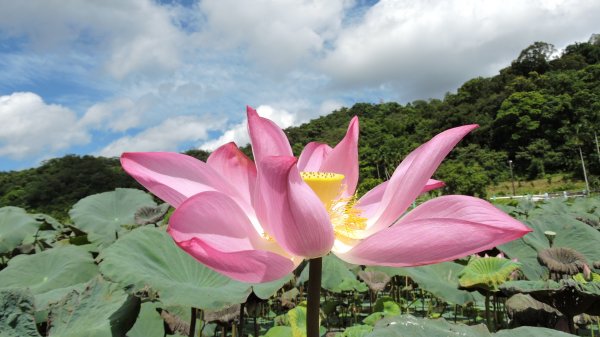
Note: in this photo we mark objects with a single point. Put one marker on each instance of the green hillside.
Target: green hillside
(538, 112)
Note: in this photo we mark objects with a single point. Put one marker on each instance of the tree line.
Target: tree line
(538, 113)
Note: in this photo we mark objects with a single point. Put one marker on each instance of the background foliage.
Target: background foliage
(537, 112)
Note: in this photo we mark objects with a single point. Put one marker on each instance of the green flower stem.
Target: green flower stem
(193, 322)
(241, 328)
(313, 297)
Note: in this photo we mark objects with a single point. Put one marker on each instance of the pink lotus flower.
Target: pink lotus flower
(257, 222)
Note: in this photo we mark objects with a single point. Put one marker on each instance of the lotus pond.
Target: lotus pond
(112, 270)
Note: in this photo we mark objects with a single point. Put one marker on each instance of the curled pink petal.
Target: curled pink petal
(216, 218)
(212, 228)
(267, 138)
(173, 177)
(236, 168)
(253, 266)
(442, 229)
(465, 208)
(312, 156)
(344, 158)
(411, 176)
(369, 203)
(290, 211)
(431, 185)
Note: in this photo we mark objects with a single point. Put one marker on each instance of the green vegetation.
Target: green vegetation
(538, 112)
(59, 279)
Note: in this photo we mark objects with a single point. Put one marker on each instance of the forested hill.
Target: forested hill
(537, 112)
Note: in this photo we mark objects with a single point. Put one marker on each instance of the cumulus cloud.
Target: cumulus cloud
(165, 137)
(277, 34)
(135, 36)
(239, 132)
(434, 46)
(117, 115)
(31, 128)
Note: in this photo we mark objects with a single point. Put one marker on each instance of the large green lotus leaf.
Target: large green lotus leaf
(50, 274)
(295, 322)
(103, 309)
(105, 216)
(569, 233)
(410, 326)
(356, 331)
(527, 256)
(487, 273)
(17, 314)
(525, 310)
(148, 257)
(584, 207)
(148, 323)
(279, 331)
(337, 276)
(440, 279)
(568, 296)
(266, 290)
(529, 331)
(388, 309)
(15, 226)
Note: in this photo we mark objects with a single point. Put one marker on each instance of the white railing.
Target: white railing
(546, 196)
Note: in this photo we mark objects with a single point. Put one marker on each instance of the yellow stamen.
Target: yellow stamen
(346, 219)
(327, 186)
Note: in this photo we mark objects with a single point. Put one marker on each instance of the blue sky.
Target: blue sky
(103, 77)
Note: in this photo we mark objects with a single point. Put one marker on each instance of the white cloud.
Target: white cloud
(165, 137)
(277, 34)
(117, 115)
(134, 36)
(32, 128)
(239, 132)
(436, 45)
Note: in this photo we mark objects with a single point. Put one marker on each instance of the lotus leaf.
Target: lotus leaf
(280, 331)
(266, 290)
(409, 326)
(148, 257)
(570, 233)
(440, 279)
(337, 276)
(376, 280)
(581, 278)
(567, 296)
(15, 225)
(356, 331)
(224, 315)
(291, 324)
(104, 216)
(487, 273)
(148, 323)
(390, 308)
(102, 309)
(17, 314)
(528, 331)
(562, 260)
(150, 215)
(50, 274)
(523, 309)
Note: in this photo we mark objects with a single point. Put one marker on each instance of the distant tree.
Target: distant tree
(534, 58)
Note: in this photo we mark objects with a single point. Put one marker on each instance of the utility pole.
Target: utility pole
(597, 147)
(512, 177)
(587, 185)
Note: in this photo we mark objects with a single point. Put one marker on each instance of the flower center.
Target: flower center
(327, 186)
(345, 219)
